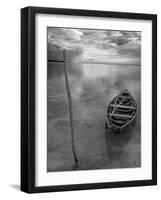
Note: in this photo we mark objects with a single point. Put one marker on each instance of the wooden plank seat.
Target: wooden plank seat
(120, 115)
(123, 106)
(126, 97)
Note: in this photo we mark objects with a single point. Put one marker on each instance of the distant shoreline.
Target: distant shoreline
(101, 63)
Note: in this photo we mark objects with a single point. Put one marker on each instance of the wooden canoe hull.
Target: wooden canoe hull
(121, 112)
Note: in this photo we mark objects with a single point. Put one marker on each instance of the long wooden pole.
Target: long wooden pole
(70, 109)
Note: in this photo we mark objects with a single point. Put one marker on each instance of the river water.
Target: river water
(92, 87)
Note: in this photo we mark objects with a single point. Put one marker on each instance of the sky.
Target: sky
(94, 46)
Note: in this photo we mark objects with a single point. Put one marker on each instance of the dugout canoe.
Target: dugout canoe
(121, 112)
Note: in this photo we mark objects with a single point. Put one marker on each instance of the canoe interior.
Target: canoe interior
(121, 110)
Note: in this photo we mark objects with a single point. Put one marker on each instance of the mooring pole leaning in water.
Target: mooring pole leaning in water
(70, 109)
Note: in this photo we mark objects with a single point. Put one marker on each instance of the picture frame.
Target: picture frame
(31, 63)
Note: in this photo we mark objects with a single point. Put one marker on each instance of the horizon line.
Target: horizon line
(61, 61)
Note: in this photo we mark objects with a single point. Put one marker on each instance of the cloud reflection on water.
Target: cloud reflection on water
(92, 87)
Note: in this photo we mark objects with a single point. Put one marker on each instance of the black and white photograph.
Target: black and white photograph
(88, 99)
(93, 99)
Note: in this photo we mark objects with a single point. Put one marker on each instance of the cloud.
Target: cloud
(64, 37)
(61, 38)
(95, 45)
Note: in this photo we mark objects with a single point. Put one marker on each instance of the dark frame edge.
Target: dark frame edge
(90, 13)
(154, 99)
(24, 100)
(93, 186)
(26, 177)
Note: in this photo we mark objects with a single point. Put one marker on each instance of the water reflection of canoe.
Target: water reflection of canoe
(121, 111)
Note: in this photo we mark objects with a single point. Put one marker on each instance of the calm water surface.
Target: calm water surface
(92, 87)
